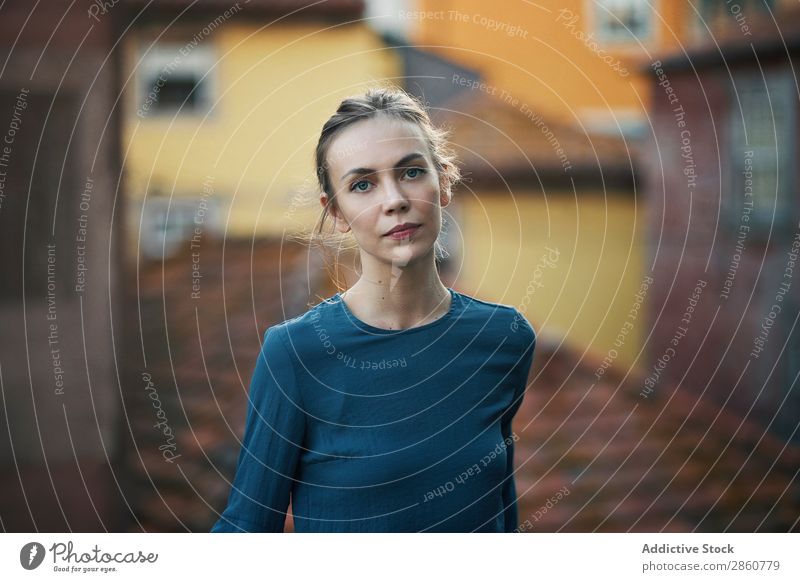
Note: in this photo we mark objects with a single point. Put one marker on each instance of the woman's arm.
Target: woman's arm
(520, 373)
(271, 446)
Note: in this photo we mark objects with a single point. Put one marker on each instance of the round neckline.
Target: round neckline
(373, 329)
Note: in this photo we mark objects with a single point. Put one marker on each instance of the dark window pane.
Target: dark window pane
(178, 92)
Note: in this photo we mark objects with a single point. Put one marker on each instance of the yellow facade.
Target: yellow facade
(572, 267)
(275, 87)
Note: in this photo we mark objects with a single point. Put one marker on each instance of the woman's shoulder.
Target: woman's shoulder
(295, 330)
(485, 305)
(504, 316)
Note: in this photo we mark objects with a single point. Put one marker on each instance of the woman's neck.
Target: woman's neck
(399, 297)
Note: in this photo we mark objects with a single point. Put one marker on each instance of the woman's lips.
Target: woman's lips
(406, 232)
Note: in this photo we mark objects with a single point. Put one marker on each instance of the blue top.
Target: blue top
(376, 430)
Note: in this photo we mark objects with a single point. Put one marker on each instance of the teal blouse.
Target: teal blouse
(375, 430)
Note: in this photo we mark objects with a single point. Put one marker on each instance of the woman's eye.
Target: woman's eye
(360, 186)
(414, 172)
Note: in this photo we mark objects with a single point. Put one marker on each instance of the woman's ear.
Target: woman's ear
(338, 219)
(445, 194)
(340, 225)
(445, 197)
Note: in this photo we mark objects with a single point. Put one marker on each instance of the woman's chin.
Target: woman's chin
(403, 255)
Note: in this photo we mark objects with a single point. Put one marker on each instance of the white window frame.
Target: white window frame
(166, 58)
(599, 16)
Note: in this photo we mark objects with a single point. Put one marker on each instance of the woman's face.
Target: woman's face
(383, 176)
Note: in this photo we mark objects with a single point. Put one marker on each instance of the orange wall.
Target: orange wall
(543, 62)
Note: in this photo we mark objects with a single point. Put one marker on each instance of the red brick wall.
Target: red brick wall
(691, 238)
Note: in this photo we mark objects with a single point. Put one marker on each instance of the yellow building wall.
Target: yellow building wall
(572, 267)
(546, 63)
(276, 87)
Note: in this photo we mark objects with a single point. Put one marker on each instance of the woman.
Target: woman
(386, 408)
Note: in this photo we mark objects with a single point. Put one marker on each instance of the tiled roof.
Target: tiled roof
(491, 135)
(672, 464)
(200, 354)
(678, 463)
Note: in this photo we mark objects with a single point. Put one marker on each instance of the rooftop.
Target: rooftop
(674, 462)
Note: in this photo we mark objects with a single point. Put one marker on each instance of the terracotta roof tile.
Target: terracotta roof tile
(490, 135)
(651, 475)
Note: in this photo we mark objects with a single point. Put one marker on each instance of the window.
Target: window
(171, 225)
(710, 10)
(623, 20)
(762, 146)
(716, 17)
(175, 78)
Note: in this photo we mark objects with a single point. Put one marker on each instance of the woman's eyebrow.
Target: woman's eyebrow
(404, 160)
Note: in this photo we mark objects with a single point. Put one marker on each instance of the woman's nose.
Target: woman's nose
(395, 197)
